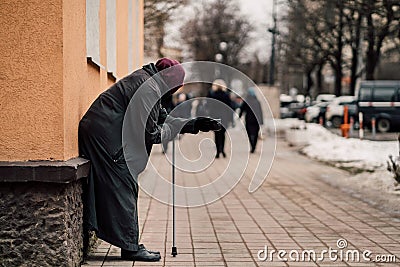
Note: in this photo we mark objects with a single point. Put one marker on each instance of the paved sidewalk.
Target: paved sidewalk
(293, 210)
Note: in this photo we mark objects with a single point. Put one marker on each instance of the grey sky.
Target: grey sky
(259, 13)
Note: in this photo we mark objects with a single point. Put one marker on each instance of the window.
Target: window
(398, 95)
(111, 34)
(365, 94)
(385, 94)
(93, 34)
(92, 30)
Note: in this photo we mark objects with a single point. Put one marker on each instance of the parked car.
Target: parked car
(290, 107)
(297, 109)
(285, 112)
(335, 110)
(314, 112)
(380, 100)
(285, 101)
(325, 98)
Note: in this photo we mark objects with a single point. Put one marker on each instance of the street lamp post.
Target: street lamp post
(221, 57)
(274, 32)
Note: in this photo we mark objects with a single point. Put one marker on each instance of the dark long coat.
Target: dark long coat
(110, 196)
(254, 116)
(216, 108)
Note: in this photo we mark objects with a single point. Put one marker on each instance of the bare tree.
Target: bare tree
(218, 28)
(306, 41)
(156, 14)
(382, 21)
(328, 26)
(321, 30)
(353, 16)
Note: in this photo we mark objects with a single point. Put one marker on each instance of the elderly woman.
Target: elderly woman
(111, 193)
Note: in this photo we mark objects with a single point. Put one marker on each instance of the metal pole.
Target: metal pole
(174, 250)
(399, 144)
(361, 122)
(351, 126)
(272, 58)
(373, 127)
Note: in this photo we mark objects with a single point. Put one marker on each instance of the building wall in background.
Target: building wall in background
(271, 94)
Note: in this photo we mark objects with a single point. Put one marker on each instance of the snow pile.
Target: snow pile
(281, 126)
(348, 153)
(371, 182)
(378, 188)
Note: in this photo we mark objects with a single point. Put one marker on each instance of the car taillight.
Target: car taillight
(303, 111)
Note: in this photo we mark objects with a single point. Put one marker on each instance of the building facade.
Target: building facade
(56, 58)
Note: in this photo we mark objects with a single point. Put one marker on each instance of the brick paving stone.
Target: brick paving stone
(330, 264)
(206, 245)
(293, 210)
(240, 264)
(210, 264)
(303, 264)
(173, 264)
(118, 263)
(272, 264)
(180, 258)
(90, 263)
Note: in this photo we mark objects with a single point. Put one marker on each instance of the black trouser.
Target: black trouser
(252, 133)
(220, 140)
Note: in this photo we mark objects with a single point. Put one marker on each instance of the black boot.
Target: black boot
(141, 255)
(150, 251)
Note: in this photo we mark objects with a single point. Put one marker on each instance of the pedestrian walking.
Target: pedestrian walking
(253, 118)
(111, 193)
(183, 106)
(219, 93)
(201, 108)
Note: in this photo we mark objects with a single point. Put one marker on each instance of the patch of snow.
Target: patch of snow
(349, 153)
(373, 183)
(378, 188)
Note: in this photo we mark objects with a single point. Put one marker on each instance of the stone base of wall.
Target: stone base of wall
(41, 222)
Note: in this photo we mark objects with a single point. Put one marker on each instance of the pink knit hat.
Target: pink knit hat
(172, 72)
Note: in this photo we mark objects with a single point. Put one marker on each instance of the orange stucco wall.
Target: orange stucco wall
(74, 82)
(46, 84)
(31, 80)
(138, 59)
(122, 40)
